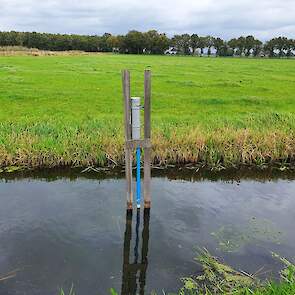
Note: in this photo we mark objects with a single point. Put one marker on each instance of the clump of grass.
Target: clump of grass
(71, 291)
(219, 278)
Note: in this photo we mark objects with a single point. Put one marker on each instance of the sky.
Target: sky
(224, 18)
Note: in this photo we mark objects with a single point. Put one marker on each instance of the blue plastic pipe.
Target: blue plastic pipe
(138, 177)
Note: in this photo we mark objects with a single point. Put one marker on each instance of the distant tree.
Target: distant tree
(291, 47)
(269, 47)
(135, 42)
(113, 42)
(104, 46)
(233, 45)
(219, 46)
(176, 42)
(281, 44)
(249, 45)
(209, 44)
(241, 43)
(122, 44)
(156, 43)
(9, 38)
(257, 47)
(194, 42)
(202, 44)
(182, 43)
(31, 40)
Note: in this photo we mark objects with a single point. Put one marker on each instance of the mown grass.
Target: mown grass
(216, 112)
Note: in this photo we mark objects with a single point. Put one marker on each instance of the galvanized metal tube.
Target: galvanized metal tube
(135, 115)
(135, 120)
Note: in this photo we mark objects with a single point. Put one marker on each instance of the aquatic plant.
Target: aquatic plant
(71, 291)
(219, 278)
(231, 237)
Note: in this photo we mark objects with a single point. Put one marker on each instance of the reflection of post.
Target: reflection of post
(130, 270)
(136, 236)
(126, 253)
(144, 249)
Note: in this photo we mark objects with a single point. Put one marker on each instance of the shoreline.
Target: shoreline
(181, 172)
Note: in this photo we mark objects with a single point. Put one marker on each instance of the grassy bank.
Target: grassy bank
(217, 112)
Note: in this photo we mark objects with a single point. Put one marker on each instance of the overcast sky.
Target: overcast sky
(224, 18)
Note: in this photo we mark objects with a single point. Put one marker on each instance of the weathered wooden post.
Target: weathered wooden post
(133, 141)
(147, 137)
(128, 151)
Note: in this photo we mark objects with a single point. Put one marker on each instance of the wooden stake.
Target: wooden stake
(147, 137)
(128, 151)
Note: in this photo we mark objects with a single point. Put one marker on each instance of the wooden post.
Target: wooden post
(132, 143)
(147, 137)
(128, 151)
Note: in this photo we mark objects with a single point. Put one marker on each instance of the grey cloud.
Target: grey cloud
(225, 18)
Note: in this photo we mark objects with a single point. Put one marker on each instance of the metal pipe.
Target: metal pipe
(135, 120)
(135, 115)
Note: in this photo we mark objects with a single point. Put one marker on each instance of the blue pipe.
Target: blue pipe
(138, 177)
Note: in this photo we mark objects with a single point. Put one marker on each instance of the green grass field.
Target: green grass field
(219, 112)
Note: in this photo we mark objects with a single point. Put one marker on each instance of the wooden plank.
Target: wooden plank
(133, 144)
(127, 124)
(147, 136)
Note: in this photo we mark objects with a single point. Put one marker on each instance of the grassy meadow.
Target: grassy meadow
(216, 112)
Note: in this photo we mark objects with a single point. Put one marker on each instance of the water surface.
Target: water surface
(57, 231)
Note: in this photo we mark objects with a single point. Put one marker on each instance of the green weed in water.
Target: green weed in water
(71, 291)
(219, 278)
(231, 237)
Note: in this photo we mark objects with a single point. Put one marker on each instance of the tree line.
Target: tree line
(152, 42)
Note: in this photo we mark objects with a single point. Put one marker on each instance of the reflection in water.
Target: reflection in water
(59, 232)
(130, 270)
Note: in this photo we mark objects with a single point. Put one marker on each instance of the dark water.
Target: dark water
(59, 231)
